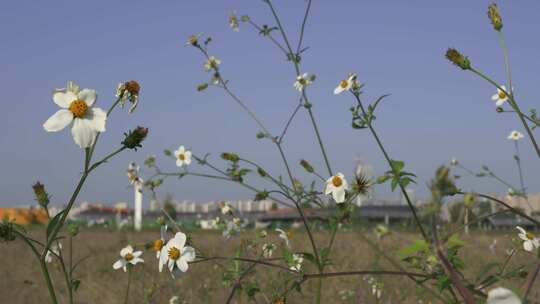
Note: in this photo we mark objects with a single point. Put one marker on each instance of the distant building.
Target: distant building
(24, 216)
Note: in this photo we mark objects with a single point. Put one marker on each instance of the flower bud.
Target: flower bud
(134, 138)
(469, 199)
(262, 195)
(42, 197)
(202, 87)
(495, 17)
(73, 229)
(244, 18)
(458, 59)
(261, 172)
(307, 166)
(230, 156)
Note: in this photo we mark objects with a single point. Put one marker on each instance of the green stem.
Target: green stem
(128, 285)
(389, 161)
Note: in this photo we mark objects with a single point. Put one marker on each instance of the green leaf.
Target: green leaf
(53, 222)
(416, 247)
(454, 242)
(397, 165)
(376, 103)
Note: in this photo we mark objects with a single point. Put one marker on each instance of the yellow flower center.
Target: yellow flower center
(343, 84)
(158, 244)
(502, 95)
(173, 253)
(182, 156)
(128, 257)
(530, 236)
(193, 39)
(78, 108)
(337, 181)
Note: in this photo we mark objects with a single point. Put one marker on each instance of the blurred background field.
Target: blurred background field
(22, 282)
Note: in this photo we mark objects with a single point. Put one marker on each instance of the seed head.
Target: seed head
(458, 59)
(495, 17)
(42, 197)
(134, 138)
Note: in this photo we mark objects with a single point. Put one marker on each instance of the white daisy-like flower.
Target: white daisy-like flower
(268, 250)
(159, 243)
(133, 173)
(193, 40)
(336, 185)
(128, 256)
(297, 260)
(52, 252)
(303, 81)
(225, 208)
(77, 107)
(183, 156)
(501, 295)
(500, 98)
(176, 255)
(285, 236)
(345, 84)
(515, 135)
(211, 64)
(530, 242)
(233, 21)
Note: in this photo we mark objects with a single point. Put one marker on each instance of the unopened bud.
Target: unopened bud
(230, 156)
(73, 229)
(458, 59)
(134, 138)
(244, 18)
(261, 172)
(262, 195)
(202, 87)
(495, 17)
(307, 166)
(469, 199)
(42, 197)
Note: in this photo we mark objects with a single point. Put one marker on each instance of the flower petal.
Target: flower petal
(528, 246)
(339, 195)
(98, 118)
(521, 229)
(188, 253)
(182, 264)
(118, 264)
(88, 95)
(58, 121)
(179, 239)
(63, 98)
(126, 250)
(83, 132)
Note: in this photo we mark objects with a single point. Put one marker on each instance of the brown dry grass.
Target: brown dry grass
(22, 282)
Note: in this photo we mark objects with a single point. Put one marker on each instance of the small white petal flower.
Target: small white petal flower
(77, 107)
(183, 156)
(193, 40)
(502, 295)
(297, 261)
(515, 135)
(303, 81)
(530, 242)
(211, 64)
(268, 250)
(285, 236)
(53, 252)
(233, 21)
(337, 185)
(176, 255)
(225, 208)
(128, 256)
(500, 98)
(345, 84)
(159, 243)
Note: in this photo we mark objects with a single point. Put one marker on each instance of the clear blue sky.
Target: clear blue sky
(435, 112)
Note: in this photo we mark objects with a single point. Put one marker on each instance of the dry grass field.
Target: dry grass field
(21, 280)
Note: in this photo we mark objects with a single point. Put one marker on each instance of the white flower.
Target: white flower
(515, 135)
(159, 243)
(303, 81)
(212, 63)
(133, 173)
(297, 261)
(345, 84)
(182, 156)
(336, 185)
(176, 255)
(502, 295)
(174, 300)
(53, 251)
(233, 21)
(268, 249)
(530, 242)
(128, 256)
(500, 98)
(77, 107)
(285, 236)
(225, 208)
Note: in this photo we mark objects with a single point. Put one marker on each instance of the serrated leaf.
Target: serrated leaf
(416, 247)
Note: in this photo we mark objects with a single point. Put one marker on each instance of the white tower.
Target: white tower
(138, 206)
